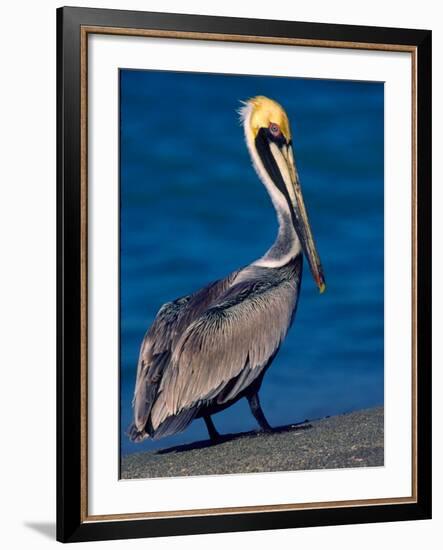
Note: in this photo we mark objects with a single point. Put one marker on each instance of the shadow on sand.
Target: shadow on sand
(231, 437)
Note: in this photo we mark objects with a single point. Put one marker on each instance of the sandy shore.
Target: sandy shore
(346, 441)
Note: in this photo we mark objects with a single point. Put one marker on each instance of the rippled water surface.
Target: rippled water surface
(193, 210)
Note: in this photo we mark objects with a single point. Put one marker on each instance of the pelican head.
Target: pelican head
(269, 140)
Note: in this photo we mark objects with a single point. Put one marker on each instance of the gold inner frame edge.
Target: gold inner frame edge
(85, 30)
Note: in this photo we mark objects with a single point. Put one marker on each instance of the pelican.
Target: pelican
(207, 350)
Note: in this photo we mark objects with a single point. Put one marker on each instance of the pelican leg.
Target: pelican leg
(257, 411)
(212, 431)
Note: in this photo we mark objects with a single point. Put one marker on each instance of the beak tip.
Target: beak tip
(322, 287)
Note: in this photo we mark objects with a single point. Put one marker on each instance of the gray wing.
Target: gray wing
(225, 349)
(155, 352)
(153, 357)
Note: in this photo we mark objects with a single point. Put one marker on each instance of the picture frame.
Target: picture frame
(74, 28)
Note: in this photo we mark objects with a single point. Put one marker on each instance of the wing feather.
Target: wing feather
(229, 342)
(159, 341)
(154, 356)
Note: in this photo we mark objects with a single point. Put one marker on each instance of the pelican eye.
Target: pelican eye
(274, 129)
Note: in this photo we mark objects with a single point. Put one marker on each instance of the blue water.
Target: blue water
(193, 210)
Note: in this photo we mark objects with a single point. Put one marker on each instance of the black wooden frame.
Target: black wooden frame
(70, 526)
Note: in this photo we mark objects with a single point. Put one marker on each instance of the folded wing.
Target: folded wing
(225, 349)
(155, 352)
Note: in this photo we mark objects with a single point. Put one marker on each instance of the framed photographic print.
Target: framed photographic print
(244, 274)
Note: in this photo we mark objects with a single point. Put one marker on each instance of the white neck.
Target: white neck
(287, 244)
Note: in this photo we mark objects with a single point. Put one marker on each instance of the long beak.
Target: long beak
(304, 232)
(278, 160)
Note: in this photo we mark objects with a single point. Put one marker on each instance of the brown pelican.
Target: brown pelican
(207, 350)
